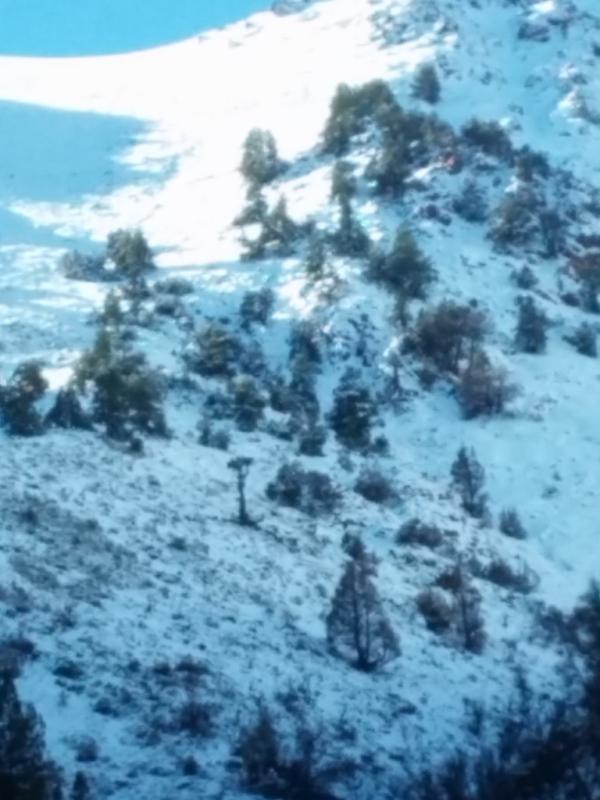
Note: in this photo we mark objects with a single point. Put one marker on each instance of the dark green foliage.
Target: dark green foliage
(390, 167)
(510, 524)
(468, 478)
(256, 308)
(405, 270)
(483, 388)
(343, 182)
(436, 609)
(130, 253)
(525, 278)
(260, 161)
(81, 788)
(414, 531)
(587, 271)
(84, 267)
(67, 411)
(306, 490)
(426, 85)
(585, 340)
(489, 137)
(529, 164)
(532, 326)
(25, 772)
(449, 333)
(311, 439)
(374, 486)
(18, 400)
(353, 412)
(351, 110)
(357, 627)
(315, 258)
(516, 579)
(471, 203)
(256, 209)
(215, 353)
(127, 395)
(248, 401)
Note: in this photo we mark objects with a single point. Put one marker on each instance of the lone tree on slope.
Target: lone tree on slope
(468, 477)
(357, 627)
(241, 466)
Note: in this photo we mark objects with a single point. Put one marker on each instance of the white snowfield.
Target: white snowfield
(101, 577)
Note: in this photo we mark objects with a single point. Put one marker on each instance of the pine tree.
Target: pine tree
(532, 324)
(18, 399)
(130, 253)
(315, 258)
(343, 182)
(469, 620)
(353, 412)
(350, 239)
(426, 85)
(468, 478)
(25, 772)
(260, 160)
(357, 627)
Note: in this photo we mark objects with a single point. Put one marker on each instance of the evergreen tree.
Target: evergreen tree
(343, 182)
(350, 239)
(18, 399)
(405, 270)
(130, 253)
(468, 478)
(315, 258)
(426, 85)
(353, 412)
(483, 389)
(357, 627)
(81, 788)
(532, 325)
(25, 772)
(260, 160)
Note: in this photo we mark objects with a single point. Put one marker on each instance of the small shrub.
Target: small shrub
(350, 239)
(510, 524)
(84, 267)
(449, 333)
(276, 236)
(215, 353)
(468, 478)
(436, 609)
(352, 108)
(256, 308)
(426, 84)
(483, 389)
(311, 440)
(374, 486)
(343, 182)
(210, 437)
(516, 219)
(248, 402)
(471, 203)
(525, 278)
(501, 573)
(308, 491)
(587, 271)
(532, 326)
(18, 399)
(413, 531)
(194, 719)
(585, 340)
(178, 287)
(353, 412)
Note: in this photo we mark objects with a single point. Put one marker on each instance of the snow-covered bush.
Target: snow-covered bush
(490, 137)
(532, 326)
(256, 308)
(449, 332)
(468, 478)
(353, 412)
(585, 340)
(260, 160)
(18, 399)
(510, 524)
(306, 490)
(426, 84)
(483, 389)
(214, 351)
(130, 253)
(374, 486)
(414, 531)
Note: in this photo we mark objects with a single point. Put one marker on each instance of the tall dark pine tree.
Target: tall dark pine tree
(25, 772)
(357, 627)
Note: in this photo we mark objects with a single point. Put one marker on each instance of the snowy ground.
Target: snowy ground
(153, 139)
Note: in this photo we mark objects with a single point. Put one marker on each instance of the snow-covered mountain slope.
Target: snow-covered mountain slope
(126, 566)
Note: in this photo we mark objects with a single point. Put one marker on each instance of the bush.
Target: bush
(471, 203)
(515, 221)
(511, 525)
(489, 137)
(426, 84)
(311, 439)
(18, 399)
(84, 267)
(209, 437)
(308, 491)
(350, 239)
(413, 531)
(436, 609)
(532, 326)
(483, 389)
(178, 287)
(67, 412)
(343, 182)
(353, 412)
(501, 573)
(315, 258)
(587, 271)
(584, 340)
(260, 161)
(449, 333)
(130, 253)
(468, 478)
(525, 278)
(529, 163)
(374, 486)
(215, 353)
(276, 237)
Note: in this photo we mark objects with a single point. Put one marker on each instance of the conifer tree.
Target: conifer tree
(532, 324)
(18, 399)
(260, 160)
(468, 478)
(357, 627)
(426, 85)
(353, 412)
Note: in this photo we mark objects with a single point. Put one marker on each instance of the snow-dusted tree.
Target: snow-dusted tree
(350, 239)
(25, 772)
(357, 628)
(483, 389)
(343, 182)
(426, 84)
(260, 161)
(449, 333)
(468, 477)
(532, 325)
(353, 412)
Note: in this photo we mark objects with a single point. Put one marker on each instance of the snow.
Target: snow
(152, 138)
